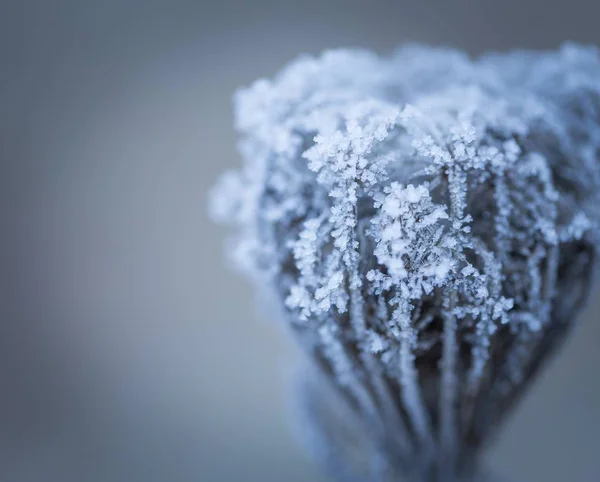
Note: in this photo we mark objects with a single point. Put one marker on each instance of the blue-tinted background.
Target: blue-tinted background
(128, 352)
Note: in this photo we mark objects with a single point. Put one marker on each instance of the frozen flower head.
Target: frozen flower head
(429, 224)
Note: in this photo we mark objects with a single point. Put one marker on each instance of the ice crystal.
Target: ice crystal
(429, 223)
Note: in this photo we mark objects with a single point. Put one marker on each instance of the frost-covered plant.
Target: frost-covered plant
(429, 224)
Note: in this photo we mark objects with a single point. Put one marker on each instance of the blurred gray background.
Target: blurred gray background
(128, 351)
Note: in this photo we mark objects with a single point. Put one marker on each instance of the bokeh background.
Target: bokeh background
(128, 351)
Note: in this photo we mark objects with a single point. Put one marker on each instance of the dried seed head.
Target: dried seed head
(430, 225)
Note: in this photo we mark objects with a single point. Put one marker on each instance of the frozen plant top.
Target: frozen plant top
(430, 225)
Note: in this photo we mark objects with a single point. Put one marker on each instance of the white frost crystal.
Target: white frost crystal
(430, 225)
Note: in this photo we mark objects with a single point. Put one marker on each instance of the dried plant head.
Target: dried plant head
(429, 224)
